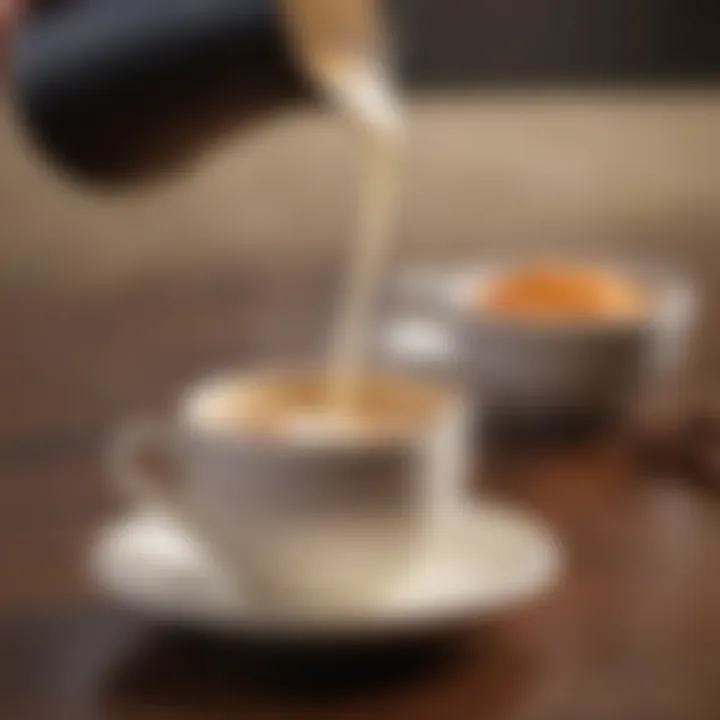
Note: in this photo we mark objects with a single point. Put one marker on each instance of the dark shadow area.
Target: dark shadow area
(463, 43)
(182, 668)
(189, 671)
(512, 432)
(102, 663)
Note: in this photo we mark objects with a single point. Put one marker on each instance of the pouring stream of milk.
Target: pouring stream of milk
(368, 98)
(341, 44)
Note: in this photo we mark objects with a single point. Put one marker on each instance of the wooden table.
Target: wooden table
(632, 634)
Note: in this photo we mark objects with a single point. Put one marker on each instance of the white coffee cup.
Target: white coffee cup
(305, 522)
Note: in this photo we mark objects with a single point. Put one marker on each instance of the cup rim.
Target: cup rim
(190, 412)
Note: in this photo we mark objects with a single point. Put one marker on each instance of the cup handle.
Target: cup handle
(144, 465)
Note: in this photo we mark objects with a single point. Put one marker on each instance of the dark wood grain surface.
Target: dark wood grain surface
(633, 633)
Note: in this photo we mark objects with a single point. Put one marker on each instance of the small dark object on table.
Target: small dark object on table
(680, 440)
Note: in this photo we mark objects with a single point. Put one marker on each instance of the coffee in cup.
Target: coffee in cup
(303, 408)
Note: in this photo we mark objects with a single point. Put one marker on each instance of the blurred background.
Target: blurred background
(560, 41)
(535, 125)
(552, 125)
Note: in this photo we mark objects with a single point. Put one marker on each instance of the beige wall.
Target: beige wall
(612, 171)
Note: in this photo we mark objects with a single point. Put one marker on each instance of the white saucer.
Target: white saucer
(491, 559)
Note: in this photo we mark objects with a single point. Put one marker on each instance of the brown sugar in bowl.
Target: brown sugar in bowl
(559, 292)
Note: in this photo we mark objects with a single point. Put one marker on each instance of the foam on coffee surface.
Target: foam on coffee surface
(302, 410)
(321, 425)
